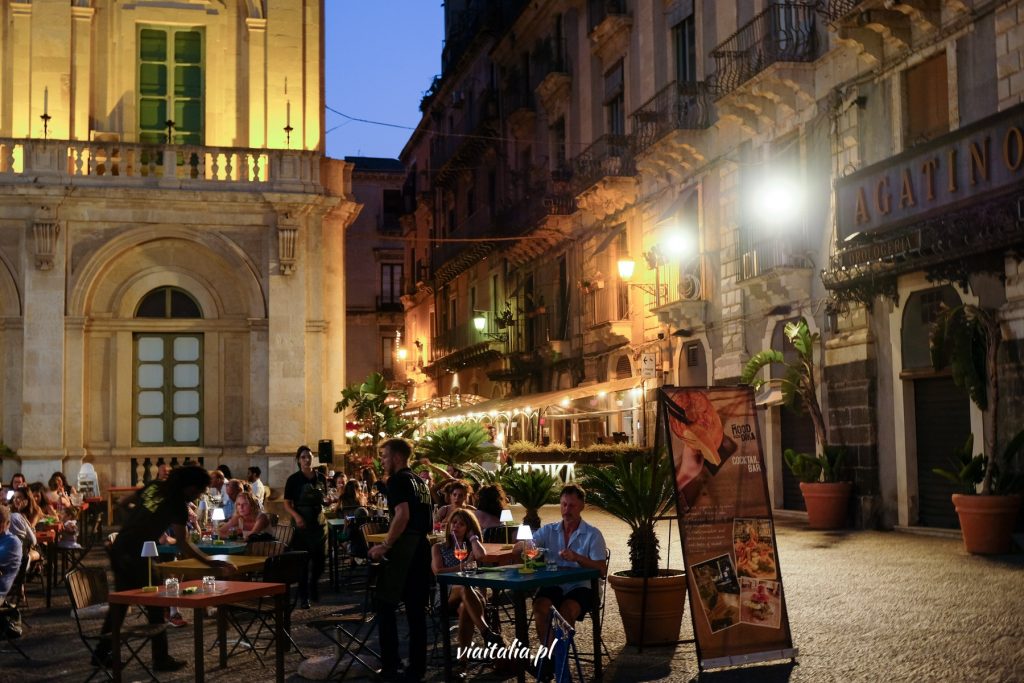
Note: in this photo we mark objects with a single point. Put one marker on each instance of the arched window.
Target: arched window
(922, 309)
(168, 373)
(168, 302)
(623, 369)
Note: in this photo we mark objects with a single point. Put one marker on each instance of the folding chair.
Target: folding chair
(351, 633)
(87, 589)
(563, 646)
(287, 568)
(587, 656)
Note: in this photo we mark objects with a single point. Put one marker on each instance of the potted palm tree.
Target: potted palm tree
(639, 490)
(457, 445)
(825, 492)
(533, 489)
(966, 339)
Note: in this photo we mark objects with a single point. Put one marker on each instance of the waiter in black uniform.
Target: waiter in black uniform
(405, 555)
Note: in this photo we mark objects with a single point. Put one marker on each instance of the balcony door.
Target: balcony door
(170, 87)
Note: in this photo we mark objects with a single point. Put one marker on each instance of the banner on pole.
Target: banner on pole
(725, 524)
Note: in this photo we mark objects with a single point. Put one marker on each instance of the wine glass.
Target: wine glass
(530, 551)
(461, 553)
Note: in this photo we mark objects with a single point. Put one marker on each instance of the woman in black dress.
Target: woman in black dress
(304, 495)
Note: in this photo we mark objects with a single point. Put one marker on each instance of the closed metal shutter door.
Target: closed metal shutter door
(942, 424)
(798, 434)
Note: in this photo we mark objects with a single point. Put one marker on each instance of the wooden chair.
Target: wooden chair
(265, 548)
(283, 533)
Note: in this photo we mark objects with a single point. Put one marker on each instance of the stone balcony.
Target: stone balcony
(605, 176)
(668, 129)
(131, 165)
(776, 271)
(873, 26)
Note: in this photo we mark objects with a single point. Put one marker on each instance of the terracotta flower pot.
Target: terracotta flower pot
(666, 597)
(987, 522)
(826, 503)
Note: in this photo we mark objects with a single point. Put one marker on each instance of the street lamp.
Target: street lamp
(627, 266)
(479, 322)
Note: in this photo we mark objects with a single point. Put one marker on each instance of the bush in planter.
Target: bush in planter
(594, 454)
(638, 491)
(826, 494)
(966, 339)
(457, 445)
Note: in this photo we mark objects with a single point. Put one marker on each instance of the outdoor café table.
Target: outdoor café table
(194, 569)
(208, 547)
(383, 536)
(498, 554)
(519, 585)
(228, 592)
(48, 541)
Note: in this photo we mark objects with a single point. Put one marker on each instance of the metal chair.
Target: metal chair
(500, 534)
(351, 633)
(563, 646)
(287, 568)
(587, 656)
(265, 548)
(88, 589)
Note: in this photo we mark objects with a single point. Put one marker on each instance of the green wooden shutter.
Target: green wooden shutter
(170, 85)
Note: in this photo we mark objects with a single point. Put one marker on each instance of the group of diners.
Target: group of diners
(35, 514)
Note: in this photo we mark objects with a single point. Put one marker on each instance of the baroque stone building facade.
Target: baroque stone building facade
(170, 237)
(732, 153)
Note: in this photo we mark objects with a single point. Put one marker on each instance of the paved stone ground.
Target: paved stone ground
(863, 606)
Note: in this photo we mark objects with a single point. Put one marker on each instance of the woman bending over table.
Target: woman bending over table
(463, 528)
(247, 520)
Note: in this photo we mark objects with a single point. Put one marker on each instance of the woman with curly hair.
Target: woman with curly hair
(490, 501)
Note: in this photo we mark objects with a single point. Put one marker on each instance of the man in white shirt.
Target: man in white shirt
(259, 491)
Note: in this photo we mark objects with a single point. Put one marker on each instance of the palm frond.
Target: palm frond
(754, 365)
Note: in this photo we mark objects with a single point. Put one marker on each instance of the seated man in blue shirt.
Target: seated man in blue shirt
(576, 544)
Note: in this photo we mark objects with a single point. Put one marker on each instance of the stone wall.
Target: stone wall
(851, 422)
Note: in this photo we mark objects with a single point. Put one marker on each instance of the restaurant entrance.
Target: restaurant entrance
(942, 423)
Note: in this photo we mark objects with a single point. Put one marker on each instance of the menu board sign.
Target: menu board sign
(725, 521)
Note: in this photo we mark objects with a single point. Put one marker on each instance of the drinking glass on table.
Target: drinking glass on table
(461, 553)
(530, 550)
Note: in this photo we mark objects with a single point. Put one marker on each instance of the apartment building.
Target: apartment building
(171, 255)
(666, 184)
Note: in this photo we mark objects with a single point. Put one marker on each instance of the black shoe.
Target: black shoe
(169, 663)
(304, 604)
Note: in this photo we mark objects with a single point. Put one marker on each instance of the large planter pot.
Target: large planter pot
(666, 597)
(987, 522)
(826, 503)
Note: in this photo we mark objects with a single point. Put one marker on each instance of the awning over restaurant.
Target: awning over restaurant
(537, 402)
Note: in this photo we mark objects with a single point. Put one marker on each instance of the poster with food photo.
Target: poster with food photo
(760, 602)
(719, 592)
(754, 548)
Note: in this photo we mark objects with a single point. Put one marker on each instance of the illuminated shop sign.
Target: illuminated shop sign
(969, 163)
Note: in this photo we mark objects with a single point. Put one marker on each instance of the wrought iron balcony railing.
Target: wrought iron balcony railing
(125, 164)
(784, 32)
(609, 156)
(678, 106)
(838, 9)
(471, 131)
(465, 336)
(768, 255)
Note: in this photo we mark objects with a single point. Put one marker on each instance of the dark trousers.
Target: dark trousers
(312, 540)
(131, 573)
(415, 595)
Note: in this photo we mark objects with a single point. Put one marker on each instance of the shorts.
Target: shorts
(582, 596)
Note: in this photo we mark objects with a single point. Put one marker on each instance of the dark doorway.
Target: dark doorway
(942, 423)
(798, 434)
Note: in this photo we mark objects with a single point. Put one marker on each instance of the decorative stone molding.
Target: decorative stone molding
(45, 233)
(553, 94)
(608, 196)
(610, 38)
(287, 236)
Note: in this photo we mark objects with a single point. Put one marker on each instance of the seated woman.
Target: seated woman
(463, 528)
(459, 496)
(247, 520)
(61, 490)
(490, 501)
(24, 502)
(352, 496)
(42, 498)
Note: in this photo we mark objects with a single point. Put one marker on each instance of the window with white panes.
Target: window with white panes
(168, 389)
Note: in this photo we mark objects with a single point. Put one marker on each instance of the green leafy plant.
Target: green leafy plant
(532, 489)
(458, 445)
(966, 470)
(377, 410)
(827, 467)
(966, 339)
(638, 491)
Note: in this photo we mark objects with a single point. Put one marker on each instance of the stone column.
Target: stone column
(81, 70)
(256, 82)
(21, 70)
(44, 352)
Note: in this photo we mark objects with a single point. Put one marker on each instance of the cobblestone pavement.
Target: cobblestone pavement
(863, 606)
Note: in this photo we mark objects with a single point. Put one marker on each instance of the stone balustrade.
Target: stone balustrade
(124, 164)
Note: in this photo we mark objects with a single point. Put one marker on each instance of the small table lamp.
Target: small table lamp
(506, 516)
(525, 533)
(149, 551)
(216, 517)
